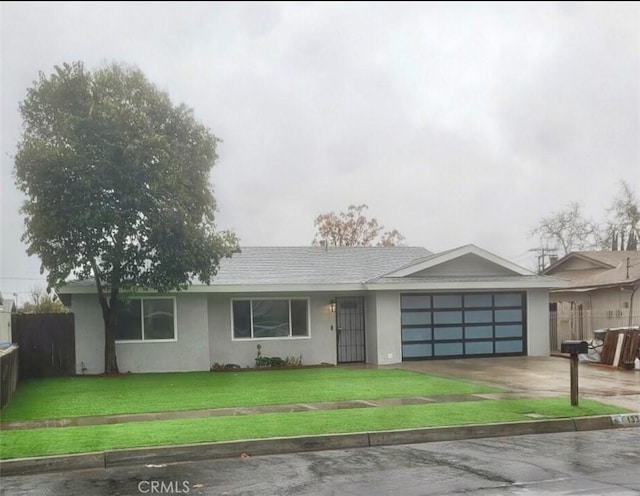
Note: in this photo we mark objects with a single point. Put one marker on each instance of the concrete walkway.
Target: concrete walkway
(224, 412)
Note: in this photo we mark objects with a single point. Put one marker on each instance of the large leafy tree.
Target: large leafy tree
(353, 228)
(117, 184)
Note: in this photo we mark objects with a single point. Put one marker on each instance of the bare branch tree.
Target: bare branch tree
(623, 227)
(353, 228)
(391, 238)
(568, 230)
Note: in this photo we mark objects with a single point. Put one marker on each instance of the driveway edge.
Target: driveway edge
(272, 446)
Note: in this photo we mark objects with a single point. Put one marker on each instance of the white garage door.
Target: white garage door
(463, 325)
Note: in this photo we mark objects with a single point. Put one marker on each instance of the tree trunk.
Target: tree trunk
(110, 311)
(110, 360)
(110, 315)
(632, 242)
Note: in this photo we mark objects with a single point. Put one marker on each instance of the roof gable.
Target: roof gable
(597, 268)
(468, 260)
(578, 261)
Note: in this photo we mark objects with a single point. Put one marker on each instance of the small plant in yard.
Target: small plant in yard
(292, 361)
(264, 361)
(217, 367)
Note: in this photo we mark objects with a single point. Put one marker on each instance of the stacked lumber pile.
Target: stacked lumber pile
(621, 348)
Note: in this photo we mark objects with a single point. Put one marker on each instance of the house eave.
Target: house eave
(235, 288)
(463, 285)
(275, 288)
(379, 285)
(628, 285)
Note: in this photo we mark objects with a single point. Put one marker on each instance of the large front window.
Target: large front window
(270, 318)
(146, 319)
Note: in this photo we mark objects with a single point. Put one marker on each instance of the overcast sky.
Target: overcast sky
(456, 123)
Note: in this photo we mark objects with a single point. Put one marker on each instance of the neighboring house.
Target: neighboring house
(330, 305)
(603, 292)
(5, 320)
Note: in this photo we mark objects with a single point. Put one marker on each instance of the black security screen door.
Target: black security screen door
(350, 326)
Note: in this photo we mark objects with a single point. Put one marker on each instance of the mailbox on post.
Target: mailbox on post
(574, 348)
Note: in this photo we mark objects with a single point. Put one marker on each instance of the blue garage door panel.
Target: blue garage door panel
(416, 350)
(463, 324)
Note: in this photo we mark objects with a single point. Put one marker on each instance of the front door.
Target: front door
(350, 327)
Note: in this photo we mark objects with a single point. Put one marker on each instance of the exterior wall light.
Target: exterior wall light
(332, 306)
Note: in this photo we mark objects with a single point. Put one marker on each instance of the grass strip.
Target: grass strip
(67, 397)
(39, 442)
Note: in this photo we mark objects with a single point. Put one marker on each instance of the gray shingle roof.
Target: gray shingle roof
(313, 265)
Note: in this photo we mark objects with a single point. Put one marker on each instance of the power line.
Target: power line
(24, 278)
(543, 254)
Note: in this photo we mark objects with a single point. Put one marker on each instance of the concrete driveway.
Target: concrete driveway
(540, 376)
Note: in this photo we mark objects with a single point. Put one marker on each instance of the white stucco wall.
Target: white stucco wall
(387, 329)
(538, 322)
(370, 325)
(89, 331)
(319, 347)
(189, 353)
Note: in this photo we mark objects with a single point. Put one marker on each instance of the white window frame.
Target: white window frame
(175, 320)
(274, 338)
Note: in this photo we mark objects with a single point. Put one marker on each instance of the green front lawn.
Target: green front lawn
(144, 393)
(37, 442)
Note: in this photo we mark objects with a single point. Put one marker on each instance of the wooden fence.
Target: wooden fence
(46, 344)
(8, 374)
(580, 325)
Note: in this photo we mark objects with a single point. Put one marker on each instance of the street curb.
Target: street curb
(474, 431)
(272, 446)
(230, 449)
(57, 463)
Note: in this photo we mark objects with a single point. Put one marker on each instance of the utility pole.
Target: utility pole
(543, 253)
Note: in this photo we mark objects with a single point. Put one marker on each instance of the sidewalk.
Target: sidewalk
(224, 412)
(270, 446)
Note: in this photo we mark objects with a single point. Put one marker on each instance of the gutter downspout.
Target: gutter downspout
(636, 286)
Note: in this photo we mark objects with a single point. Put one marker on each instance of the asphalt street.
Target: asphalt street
(585, 463)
